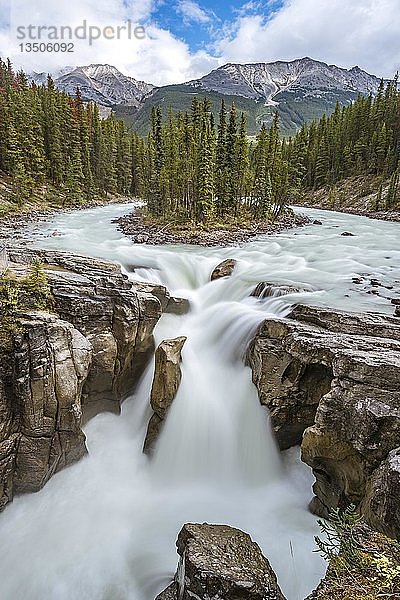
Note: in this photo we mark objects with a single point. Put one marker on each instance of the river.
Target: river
(105, 528)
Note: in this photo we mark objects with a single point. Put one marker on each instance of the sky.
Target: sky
(181, 40)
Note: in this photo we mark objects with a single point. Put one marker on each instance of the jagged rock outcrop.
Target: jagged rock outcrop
(65, 367)
(381, 505)
(40, 403)
(116, 316)
(224, 269)
(217, 561)
(166, 380)
(344, 370)
(290, 381)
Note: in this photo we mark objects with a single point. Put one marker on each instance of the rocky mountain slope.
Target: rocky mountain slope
(300, 90)
(102, 84)
(302, 78)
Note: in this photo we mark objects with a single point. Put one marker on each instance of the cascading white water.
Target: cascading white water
(105, 528)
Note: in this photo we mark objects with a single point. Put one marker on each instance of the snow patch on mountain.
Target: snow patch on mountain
(264, 81)
(103, 84)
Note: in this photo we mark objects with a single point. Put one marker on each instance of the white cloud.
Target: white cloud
(192, 12)
(160, 58)
(344, 32)
(362, 32)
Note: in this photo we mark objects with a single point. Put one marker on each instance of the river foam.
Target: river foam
(105, 528)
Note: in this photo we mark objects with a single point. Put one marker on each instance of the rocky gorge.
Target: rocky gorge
(325, 377)
(69, 365)
(330, 381)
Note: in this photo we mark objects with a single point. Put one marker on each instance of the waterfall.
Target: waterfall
(105, 528)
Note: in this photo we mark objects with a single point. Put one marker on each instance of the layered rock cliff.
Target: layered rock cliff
(40, 403)
(65, 367)
(335, 377)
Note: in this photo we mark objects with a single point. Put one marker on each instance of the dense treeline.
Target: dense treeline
(360, 139)
(194, 168)
(50, 141)
(189, 167)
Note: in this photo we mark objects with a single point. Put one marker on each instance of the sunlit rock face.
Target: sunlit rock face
(167, 377)
(335, 376)
(65, 367)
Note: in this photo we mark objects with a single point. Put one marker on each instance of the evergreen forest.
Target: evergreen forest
(189, 168)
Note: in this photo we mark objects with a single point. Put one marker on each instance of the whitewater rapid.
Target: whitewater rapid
(105, 528)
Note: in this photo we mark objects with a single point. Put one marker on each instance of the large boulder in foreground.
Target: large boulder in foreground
(221, 562)
(166, 380)
(338, 374)
(224, 269)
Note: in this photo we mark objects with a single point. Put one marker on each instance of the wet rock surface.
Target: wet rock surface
(224, 269)
(66, 367)
(41, 385)
(171, 593)
(178, 306)
(166, 380)
(223, 563)
(266, 289)
(336, 377)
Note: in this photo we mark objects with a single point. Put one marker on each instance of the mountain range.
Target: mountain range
(299, 90)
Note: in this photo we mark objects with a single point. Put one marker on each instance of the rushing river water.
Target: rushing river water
(105, 528)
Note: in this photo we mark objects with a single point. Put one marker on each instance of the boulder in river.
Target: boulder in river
(166, 380)
(224, 269)
(266, 289)
(178, 306)
(218, 561)
(337, 373)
